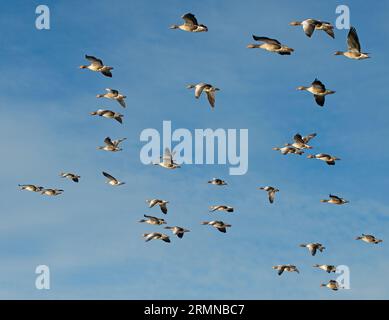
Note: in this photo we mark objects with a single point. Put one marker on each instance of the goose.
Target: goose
(318, 90)
(190, 25)
(112, 180)
(218, 182)
(335, 200)
(271, 45)
(111, 145)
(271, 191)
(71, 176)
(156, 236)
(108, 114)
(51, 192)
(285, 267)
(332, 284)
(161, 203)
(220, 225)
(221, 208)
(289, 149)
(354, 47)
(98, 66)
(167, 160)
(207, 88)
(313, 247)
(301, 142)
(178, 231)
(115, 95)
(310, 25)
(369, 238)
(327, 268)
(30, 187)
(330, 160)
(152, 220)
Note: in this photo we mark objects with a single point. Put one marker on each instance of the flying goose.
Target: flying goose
(156, 236)
(30, 187)
(332, 284)
(271, 191)
(285, 267)
(218, 182)
(310, 25)
(354, 47)
(111, 145)
(178, 231)
(71, 176)
(98, 66)
(108, 114)
(167, 160)
(162, 204)
(190, 25)
(221, 208)
(289, 149)
(207, 88)
(271, 45)
(369, 238)
(114, 95)
(335, 200)
(327, 268)
(152, 220)
(313, 247)
(112, 180)
(318, 90)
(51, 192)
(330, 160)
(301, 142)
(220, 225)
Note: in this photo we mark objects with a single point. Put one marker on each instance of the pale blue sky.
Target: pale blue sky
(89, 236)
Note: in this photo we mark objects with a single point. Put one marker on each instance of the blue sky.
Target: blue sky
(89, 236)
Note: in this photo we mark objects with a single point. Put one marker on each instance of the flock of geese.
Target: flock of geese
(298, 146)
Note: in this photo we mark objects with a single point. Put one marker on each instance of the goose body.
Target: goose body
(332, 284)
(289, 149)
(111, 145)
(271, 45)
(369, 238)
(219, 225)
(114, 95)
(207, 88)
(271, 192)
(190, 24)
(156, 236)
(178, 231)
(97, 65)
(112, 180)
(313, 247)
(218, 182)
(318, 90)
(354, 47)
(325, 267)
(330, 160)
(310, 25)
(335, 200)
(221, 208)
(30, 187)
(108, 114)
(285, 267)
(70, 176)
(161, 203)
(152, 220)
(51, 192)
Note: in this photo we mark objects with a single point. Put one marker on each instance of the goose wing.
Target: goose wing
(108, 141)
(272, 195)
(109, 177)
(163, 208)
(266, 40)
(95, 61)
(211, 98)
(308, 137)
(199, 89)
(298, 138)
(190, 19)
(353, 41)
(309, 27)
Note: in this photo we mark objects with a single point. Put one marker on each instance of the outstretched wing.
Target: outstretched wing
(211, 98)
(353, 41)
(318, 85)
(199, 89)
(190, 19)
(320, 100)
(109, 177)
(266, 40)
(108, 141)
(163, 208)
(335, 197)
(308, 137)
(95, 61)
(272, 195)
(308, 27)
(298, 138)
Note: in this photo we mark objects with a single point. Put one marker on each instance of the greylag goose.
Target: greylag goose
(271, 45)
(318, 90)
(167, 160)
(114, 95)
(108, 114)
(178, 231)
(310, 25)
(111, 145)
(285, 267)
(98, 66)
(301, 142)
(271, 192)
(369, 238)
(152, 220)
(156, 236)
(221, 208)
(112, 180)
(335, 200)
(354, 47)
(325, 267)
(161, 203)
(218, 182)
(70, 176)
(190, 25)
(51, 192)
(219, 225)
(208, 89)
(332, 284)
(313, 247)
(330, 160)
(30, 187)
